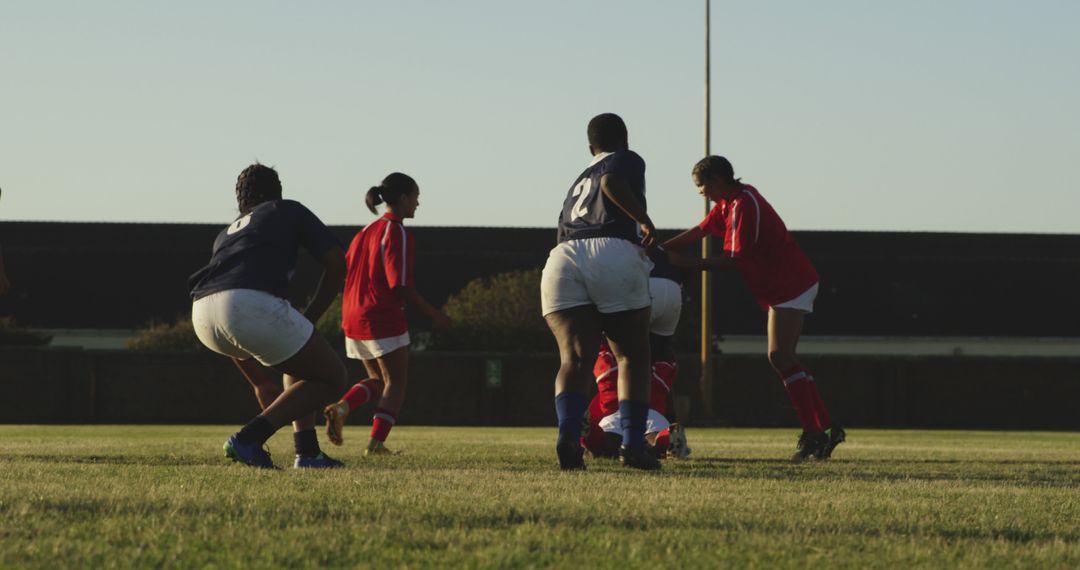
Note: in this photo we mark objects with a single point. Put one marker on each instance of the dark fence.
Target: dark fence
(86, 275)
(77, 386)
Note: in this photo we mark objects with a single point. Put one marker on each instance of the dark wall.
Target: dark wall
(84, 275)
(75, 386)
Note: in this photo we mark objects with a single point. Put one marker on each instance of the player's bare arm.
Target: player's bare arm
(440, 320)
(708, 264)
(333, 279)
(619, 192)
(692, 235)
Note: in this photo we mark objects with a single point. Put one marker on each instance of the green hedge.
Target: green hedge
(174, 337)
(500, 313)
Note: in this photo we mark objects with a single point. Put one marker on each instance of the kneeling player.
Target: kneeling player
(663, 436)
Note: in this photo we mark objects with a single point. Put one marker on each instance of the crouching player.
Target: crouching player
(785, 283)
(664, 438)
(239, 310)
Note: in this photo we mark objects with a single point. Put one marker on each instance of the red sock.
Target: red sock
(362, 392)
(798, 385)
(819, 406)
(381, 424)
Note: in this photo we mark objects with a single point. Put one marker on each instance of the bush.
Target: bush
(500, 313)
(12, 335)
(177, 337)
(330, 325)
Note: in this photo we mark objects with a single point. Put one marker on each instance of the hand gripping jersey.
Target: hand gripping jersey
(770, 262)
(258, 250)
(380, 259)
(587, 213)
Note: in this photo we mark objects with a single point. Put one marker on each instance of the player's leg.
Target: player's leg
(784, 329)
(394, 371)
(306, 441)
(359, 394)
(577, 334)
(628, 335)
(319, 378)
(266, 391)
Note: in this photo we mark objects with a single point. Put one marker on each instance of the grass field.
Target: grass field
(163, 496)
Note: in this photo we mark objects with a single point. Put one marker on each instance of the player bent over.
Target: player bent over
(240, 311)
(664, 437)
(378, 284)
(775, 270)
(596, 282)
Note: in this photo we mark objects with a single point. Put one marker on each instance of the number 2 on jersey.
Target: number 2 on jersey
(581, 192)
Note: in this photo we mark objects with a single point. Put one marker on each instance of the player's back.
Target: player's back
(258, 250)
(588, 213)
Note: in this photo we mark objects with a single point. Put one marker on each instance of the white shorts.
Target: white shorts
(610, 273)
(371, 349)
(666, 306)
(655, 423)
(244, 323)
(804, 302)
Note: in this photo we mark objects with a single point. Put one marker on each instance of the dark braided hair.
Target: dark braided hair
(607, 133)
(392, 188)
(255, 185)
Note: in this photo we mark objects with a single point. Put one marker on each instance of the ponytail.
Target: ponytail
(373, 198)
(392, 188)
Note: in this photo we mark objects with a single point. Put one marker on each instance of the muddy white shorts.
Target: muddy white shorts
(655, 423)
(371, 349)
(804, 302)
(610, 273)
(244, 323)
(666, 306)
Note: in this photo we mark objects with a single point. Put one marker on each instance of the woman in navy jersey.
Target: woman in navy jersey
(378, 285)
(240, 310)
(777, 273)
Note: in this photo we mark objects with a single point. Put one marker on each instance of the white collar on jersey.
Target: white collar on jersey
(600, 157)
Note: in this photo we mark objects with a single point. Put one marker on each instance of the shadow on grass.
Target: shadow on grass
(113, 460)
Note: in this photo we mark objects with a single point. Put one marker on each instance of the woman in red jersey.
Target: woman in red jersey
(378, 285)
(785, 283)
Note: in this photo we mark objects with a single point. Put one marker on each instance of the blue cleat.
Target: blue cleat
(248, 454)
(320, 461)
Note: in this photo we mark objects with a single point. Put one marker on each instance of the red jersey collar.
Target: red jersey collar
(390, 216)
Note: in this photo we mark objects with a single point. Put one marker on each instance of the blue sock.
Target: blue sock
(570, 409)
(632, 417)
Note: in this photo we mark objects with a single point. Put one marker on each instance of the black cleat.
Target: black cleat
(571, 454)
(810, 445)
(638, 459)
(836, 435)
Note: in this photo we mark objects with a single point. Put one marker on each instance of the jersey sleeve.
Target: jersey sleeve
(311, 233)
(397, 256)
(743, 228)
(714, 223)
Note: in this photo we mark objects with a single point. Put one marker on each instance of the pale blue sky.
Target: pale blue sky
(921, 115)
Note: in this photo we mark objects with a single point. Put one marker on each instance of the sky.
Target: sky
(924, 115)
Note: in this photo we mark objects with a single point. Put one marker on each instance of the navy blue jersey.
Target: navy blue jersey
(258, 250)
(588, 213)
(662, 266)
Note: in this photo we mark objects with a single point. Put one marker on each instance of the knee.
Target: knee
(782, 360)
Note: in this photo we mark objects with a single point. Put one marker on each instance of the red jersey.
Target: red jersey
(380, 259)
(606, 371)
(770, 262)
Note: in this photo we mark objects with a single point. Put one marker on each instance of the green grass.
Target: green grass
(163, 496)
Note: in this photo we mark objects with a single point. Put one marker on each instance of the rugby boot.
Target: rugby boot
(248, 454)
(836, 435)
(810, 445)
(320, 461)
(571, 454)
(638, 459)
(335, 421)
